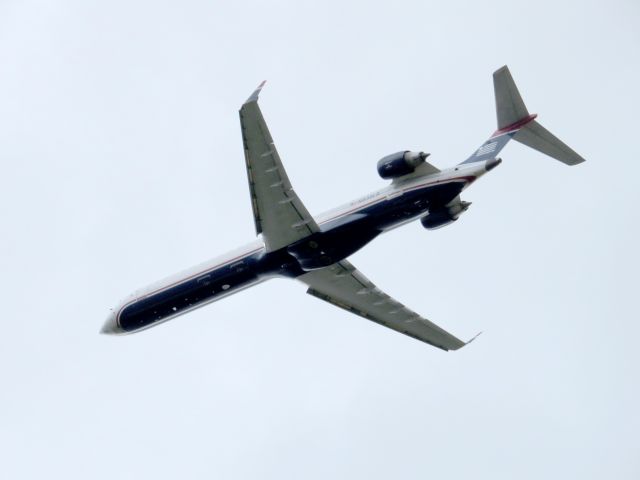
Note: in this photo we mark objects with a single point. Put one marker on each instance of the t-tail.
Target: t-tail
(515, 121)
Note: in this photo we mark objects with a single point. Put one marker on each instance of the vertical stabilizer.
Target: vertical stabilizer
(510, 109)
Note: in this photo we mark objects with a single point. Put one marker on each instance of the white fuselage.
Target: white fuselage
(228, 274)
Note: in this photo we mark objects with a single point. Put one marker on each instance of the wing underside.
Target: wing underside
(278, 213)
(341, 284)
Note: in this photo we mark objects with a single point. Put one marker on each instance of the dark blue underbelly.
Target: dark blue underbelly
(204, 288)
(175, 300)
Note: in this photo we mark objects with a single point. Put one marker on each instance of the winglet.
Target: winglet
(256, 93)
(476, 336)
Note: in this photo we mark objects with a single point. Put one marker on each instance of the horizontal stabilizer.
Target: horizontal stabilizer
(539, 138)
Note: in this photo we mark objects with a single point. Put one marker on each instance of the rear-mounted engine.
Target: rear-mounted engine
(444, 216)
(400, 163)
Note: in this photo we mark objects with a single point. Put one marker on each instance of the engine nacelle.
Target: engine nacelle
(444, 216)
(400, 163)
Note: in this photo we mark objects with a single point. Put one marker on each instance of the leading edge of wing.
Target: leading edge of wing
(279, 214)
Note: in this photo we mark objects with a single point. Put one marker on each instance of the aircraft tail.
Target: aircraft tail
(513, 115)
(515, 121)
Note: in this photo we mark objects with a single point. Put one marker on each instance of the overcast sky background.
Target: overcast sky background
(122, 163)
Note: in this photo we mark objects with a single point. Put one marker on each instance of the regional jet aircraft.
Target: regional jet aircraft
(314, 250)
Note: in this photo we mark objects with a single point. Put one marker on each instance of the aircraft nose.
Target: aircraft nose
(110, 326)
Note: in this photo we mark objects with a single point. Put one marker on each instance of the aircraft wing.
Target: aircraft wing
(344, 286)
(278, 213)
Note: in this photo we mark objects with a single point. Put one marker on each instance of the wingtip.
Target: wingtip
(256, 93)
(578, 160)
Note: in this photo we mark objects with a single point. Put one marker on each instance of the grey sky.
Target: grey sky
(122, 163)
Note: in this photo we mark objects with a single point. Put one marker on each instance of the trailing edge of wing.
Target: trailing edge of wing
(279, 215)
(342, 285)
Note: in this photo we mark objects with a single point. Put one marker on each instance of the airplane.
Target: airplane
(314, 250)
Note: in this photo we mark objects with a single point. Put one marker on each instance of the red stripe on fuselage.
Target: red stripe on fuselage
(469, 178)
